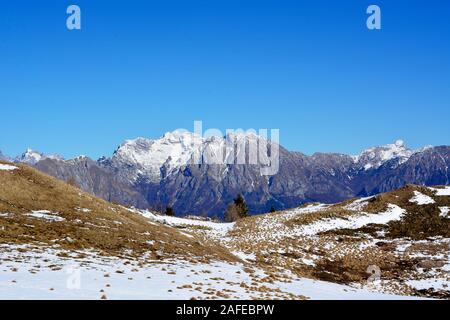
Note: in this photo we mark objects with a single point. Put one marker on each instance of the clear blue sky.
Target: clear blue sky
(141, 68)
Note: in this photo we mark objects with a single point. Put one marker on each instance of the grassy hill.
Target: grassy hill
(38, 209)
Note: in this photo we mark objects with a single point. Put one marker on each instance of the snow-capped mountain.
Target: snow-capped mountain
(145, 157)
(31, 157)
(155, 159)
(374, 158)
(200, 175)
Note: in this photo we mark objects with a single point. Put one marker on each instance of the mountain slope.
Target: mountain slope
(41, 210)
(92, 178)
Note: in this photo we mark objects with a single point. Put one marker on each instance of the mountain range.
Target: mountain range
(156, 173)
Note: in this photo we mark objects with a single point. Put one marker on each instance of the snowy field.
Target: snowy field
(31, 273)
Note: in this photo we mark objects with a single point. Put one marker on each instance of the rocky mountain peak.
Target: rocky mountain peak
(146, 157)
(375, 157)
(30, 157)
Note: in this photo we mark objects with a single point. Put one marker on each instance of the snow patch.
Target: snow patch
(244, 256)
(421, 198)
(444, 211)
(7, 167)
(430, 283)
(90, 277)
(393, 213)
(47, 215)
(218, 229)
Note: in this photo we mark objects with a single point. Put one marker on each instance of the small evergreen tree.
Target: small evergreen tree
(169, 211)
(236, 210)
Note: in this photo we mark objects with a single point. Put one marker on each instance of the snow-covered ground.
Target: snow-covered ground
(45, 214)
(31, 273)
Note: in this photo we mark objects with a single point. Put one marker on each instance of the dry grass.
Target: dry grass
(333, 212)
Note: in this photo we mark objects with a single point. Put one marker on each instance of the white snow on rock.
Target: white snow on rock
(374, 158)
(47, 215)
(442, 191)
(7, 167)
(244, 256)
(31, 157)
(146, 157)
(444, 211)
(421, 198)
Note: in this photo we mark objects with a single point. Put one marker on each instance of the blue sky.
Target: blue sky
(142, 68)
